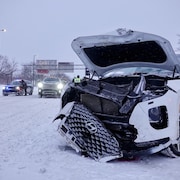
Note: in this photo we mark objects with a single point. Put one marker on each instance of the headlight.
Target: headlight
(60, 86)
(40, 85)
(17, 88)
(3, 87)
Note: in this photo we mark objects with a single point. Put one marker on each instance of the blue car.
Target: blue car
(15, 87)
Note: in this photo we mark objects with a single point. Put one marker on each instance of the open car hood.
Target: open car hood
(102, 54)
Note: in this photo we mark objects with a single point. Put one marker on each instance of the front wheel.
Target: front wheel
(174, 149)
(22, 92)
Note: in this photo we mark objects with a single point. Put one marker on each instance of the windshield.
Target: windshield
(28, 82)
(51, 80)
(140, 70)
(16, 83)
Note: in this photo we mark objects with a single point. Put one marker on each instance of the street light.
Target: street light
(3, 30)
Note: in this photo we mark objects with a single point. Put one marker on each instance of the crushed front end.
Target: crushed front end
(97, 116)
(129, 105)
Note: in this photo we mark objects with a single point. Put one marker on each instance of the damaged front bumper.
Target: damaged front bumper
(87, 135)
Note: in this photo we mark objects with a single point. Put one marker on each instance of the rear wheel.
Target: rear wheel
(31, 92)
(172, 151)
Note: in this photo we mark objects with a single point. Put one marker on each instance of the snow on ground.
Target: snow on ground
(32, 149)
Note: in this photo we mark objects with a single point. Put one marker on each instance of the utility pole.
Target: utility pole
(34, 60)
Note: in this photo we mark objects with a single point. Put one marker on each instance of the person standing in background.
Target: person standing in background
(77, 80)
(24, 86)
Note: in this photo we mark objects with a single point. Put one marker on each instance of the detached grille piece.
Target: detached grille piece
(88, 135)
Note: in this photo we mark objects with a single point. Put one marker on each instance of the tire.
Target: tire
(30, 93)
(173, 150)
(22, 92)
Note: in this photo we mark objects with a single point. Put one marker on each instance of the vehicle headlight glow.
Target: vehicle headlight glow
(3, 87)
(60, 86)
(40, 85)
(17, 88)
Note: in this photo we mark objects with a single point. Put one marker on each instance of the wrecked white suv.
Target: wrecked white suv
(130, 103)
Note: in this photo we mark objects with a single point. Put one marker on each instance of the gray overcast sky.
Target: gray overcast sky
(46, 28)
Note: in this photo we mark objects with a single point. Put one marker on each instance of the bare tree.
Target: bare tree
(27, 71)
(7, 68)
(3, 62)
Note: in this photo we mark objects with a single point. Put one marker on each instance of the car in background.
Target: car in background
(50, 86)
(15, 87)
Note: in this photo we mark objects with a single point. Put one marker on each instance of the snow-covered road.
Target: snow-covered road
(32, 149)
